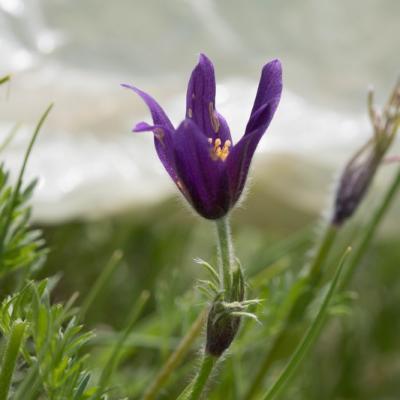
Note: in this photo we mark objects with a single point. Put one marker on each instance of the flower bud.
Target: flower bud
(222, 323)
(360, 170)
(353, 186)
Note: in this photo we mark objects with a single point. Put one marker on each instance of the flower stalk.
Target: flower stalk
(207, 366)
(324, 248)
(226, 254)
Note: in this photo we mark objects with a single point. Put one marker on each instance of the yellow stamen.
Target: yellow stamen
(218, 152)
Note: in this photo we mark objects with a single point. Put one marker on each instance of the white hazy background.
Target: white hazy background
(76, 53)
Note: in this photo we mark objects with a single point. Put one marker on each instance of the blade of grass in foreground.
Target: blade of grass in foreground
(308, 339)
(100, 283)
(176, 357)
(112, 362)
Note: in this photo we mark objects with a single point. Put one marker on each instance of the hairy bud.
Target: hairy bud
(353, 187)
(360, 170)
(224, 317)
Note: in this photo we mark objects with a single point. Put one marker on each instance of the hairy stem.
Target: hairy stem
(226, 253)
(207, 366)
(176, 357)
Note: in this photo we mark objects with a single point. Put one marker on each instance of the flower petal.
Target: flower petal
(157, 113)
(267, 99)
(163, 144)
(266, 102)
(201, 178)
(200, 101)
(162, 129)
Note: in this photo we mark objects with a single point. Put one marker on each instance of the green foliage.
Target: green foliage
(42, 341)
(20, 246)
(50, 362)
(142, 303)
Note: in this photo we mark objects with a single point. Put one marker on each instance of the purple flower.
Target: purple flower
(199, 155)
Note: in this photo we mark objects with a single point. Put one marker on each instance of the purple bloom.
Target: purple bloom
(199, 155)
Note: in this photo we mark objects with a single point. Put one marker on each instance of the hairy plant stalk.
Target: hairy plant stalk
(176, 357)
(201, 379)
(225, 252)
(10, 358)
(221, 330)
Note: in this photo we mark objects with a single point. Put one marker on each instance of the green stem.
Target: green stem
(322, 253)
(202, 377)
(176, 357)
(226, 253)
(297, 309)
(308, 339)
(10, 358)
(371, 228)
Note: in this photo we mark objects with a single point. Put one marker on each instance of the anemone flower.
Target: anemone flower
(199, 155)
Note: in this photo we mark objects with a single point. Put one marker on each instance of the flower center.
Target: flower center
(219, 152)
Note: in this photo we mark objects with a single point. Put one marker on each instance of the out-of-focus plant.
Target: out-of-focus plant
(41, 341)
(44, 347)
(353, 185)
(20, 246)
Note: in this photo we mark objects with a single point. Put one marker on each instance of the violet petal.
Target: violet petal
(200, 101)
(157, 113)
(267, 98)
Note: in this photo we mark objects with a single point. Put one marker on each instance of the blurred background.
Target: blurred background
(102, 187)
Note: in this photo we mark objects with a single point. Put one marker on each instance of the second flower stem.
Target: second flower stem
(297, 310)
